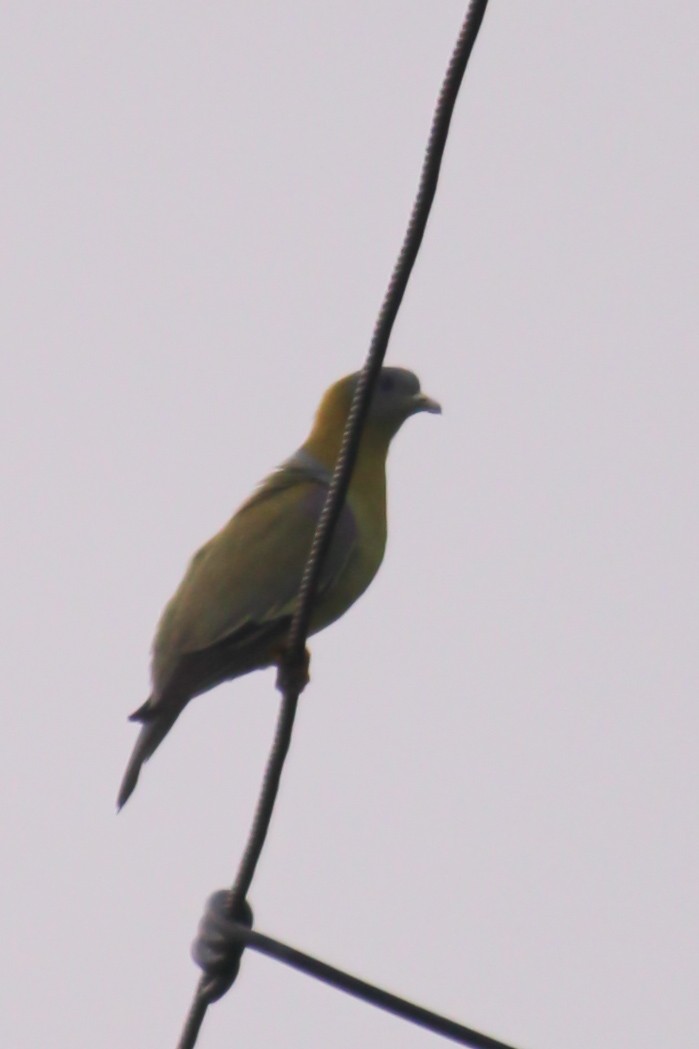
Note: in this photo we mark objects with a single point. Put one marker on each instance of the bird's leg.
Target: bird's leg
(292, 675)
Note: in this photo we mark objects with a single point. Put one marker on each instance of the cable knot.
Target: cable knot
(218, 947)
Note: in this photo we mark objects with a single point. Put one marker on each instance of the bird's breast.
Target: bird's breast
(363, 561)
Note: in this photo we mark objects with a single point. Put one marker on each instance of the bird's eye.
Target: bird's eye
(386, 383)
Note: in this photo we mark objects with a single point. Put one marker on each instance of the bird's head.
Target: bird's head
(397, 396)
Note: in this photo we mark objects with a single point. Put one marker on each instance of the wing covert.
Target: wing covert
(249, 573)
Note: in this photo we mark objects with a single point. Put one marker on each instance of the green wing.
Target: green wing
(243, 583)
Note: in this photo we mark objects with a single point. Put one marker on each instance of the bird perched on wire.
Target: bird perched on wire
(231, 612)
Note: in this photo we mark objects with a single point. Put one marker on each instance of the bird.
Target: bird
(231, 613)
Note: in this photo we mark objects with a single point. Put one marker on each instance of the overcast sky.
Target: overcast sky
(490, 804)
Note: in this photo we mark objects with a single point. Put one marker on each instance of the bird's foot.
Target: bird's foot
(292, 675)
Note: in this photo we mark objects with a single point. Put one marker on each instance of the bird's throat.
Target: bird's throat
(369, 473)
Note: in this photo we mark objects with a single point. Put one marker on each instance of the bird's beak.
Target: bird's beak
(423, 403)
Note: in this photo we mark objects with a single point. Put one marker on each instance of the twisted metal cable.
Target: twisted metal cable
(427, 187)
(342, 475)
(367, 992)
(219, 948)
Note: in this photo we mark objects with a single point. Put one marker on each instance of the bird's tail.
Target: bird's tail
(156, 723)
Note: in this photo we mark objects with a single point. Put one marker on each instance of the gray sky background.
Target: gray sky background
(491, 800)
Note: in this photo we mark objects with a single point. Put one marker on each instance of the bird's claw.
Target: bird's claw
(292, 675)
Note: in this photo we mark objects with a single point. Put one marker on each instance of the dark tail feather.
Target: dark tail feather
(153, 732)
